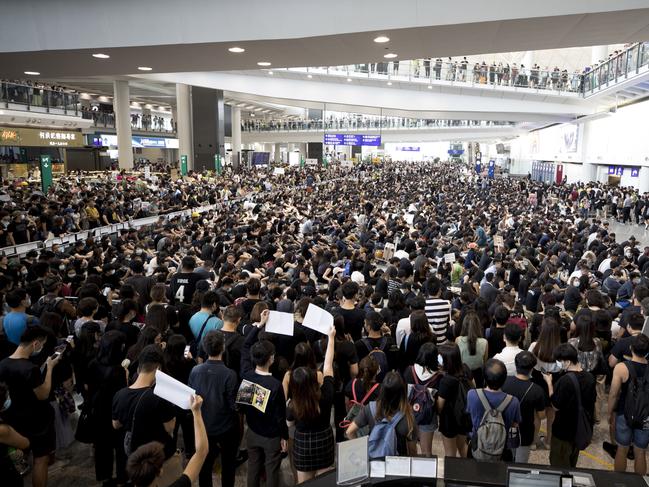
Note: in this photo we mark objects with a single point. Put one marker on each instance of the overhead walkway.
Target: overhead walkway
(58, 39)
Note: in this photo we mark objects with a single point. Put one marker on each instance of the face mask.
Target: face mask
(24, 273)
(28, 302)
(7, 404)
(72, 276)
(440, 360)
(62, 267)
(560, 365)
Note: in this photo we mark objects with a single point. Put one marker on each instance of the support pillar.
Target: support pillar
(122, 108)
(236, 136)
(598, 53)
(278, 154)
(528, 60)
(183, 119)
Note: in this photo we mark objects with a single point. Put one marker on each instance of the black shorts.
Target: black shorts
(43, 443)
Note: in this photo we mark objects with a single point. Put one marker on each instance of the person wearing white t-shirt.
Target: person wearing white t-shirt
(512, 336)
(403, 325)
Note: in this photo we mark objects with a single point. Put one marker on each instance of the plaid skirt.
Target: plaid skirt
(313, 450)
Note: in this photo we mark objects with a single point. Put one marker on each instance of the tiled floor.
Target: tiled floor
(74, 467)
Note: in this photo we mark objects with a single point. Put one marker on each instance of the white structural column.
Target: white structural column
(598, 53)
(122, 107)
(236, 136)
(184, 124)
(278, 154)
(528, 60)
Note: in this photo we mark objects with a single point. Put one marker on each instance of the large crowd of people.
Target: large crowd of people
(37, 93)
(492, 315)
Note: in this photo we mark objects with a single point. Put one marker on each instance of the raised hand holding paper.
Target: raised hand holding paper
(318, 319)
(449, 258)
(172, 390)
(280, 323)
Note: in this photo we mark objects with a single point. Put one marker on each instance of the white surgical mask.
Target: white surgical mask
(440, 360)
(7, 403)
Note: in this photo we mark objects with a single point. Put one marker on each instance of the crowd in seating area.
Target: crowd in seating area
(488, 315)
(353, 121)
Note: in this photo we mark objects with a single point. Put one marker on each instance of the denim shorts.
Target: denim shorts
(625, 435)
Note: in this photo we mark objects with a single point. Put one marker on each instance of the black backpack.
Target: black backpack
(636, 407)
(462, 418)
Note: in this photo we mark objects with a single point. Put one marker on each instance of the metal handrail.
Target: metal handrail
(35, 96)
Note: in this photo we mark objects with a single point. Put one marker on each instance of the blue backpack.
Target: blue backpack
(383, 437)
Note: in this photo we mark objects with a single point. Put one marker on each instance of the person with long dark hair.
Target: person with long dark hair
(104, 378)
(543, 350)
(453, 387)
(474, 349)
(309, 410)
(420, 333)
(179, 365)
(392, 399)
(425, 372)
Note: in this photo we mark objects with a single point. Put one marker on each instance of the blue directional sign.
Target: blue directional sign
(352, 139)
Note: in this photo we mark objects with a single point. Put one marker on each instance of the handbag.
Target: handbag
(85, 427)
(128, 435)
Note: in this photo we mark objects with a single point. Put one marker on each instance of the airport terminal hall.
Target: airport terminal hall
(369, 243)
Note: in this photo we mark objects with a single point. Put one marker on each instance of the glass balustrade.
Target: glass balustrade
(625, 65)
(34, 96)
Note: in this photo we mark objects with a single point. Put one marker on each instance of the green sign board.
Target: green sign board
(183, 165)
(46, 173)
(218, 165)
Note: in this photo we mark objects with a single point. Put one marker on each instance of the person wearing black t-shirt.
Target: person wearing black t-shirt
(267, 436)
(378, 337)
(17, 231)
(531, 399)
(496, 339)
(621, 351)
(136, 409)
(183, 284)
(354, 317)
(563, 451)
(218, 385)
(145, 464)
(30, 413)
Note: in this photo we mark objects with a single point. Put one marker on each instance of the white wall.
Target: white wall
(428, 150)
(620, 139)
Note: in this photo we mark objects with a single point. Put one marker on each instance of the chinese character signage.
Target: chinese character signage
(183, 165)
(24, 137)
(352, 139)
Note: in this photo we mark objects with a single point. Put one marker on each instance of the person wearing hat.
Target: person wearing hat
(471, 258)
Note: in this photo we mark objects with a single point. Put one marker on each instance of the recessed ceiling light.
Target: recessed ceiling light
(381, 39)
(101, 55)
(237, 50)
(309, 76)
(389, 83)
(390, 55)
(349, 80)
(263, 63)
(430, 87)
(144, 68)
(32, 73)
(270, 72)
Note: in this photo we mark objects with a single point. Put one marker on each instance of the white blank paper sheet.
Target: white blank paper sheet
(280, 323)
(172, 390)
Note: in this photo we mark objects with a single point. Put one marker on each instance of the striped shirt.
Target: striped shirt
(438, 312)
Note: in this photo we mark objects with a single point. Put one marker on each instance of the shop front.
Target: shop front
(22, 148)
(146, 150)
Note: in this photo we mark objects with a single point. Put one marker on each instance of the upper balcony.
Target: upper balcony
(15, 96)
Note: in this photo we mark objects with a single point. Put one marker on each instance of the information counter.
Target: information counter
(460, 472)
